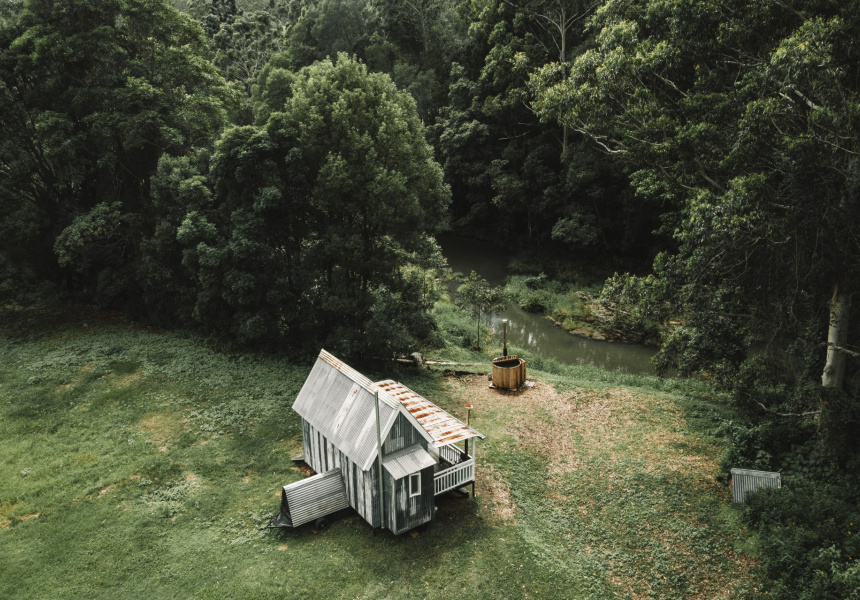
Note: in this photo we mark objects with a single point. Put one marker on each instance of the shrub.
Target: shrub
(808, 538)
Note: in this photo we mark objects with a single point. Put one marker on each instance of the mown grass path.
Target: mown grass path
(139, 464)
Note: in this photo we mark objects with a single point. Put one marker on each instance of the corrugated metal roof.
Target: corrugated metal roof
(340, 403)
(407, 461)
(442, 426)
(315, 497)
(745, 481)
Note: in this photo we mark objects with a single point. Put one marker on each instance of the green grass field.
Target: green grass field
(136, 463)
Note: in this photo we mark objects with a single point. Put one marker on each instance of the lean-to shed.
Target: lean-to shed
(348, 419)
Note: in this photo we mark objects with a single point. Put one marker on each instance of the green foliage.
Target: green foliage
(807, 539)
(706, 345)
(177, 190)
(244, 41)
(317, 216)
(745, 151)
(151, 461)
(94, 246)
(512, 176)
(270, 92)
(740, 118)
(536, 293)
(93, 94)
(480, 298)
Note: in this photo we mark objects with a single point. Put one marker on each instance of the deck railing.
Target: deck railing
(454, 477)
(451, 454)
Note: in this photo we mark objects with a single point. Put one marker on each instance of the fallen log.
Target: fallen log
(440, 363)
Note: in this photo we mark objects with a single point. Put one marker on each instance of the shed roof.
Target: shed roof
(442, 426)
(339, 402)
(407, 461)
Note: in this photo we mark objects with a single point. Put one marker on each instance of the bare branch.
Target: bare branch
(705, 175)
(841, 349)
(779, 414)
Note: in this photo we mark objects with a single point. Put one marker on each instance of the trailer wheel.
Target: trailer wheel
(322, 524)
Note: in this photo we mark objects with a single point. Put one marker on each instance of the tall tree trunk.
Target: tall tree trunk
(562, 59)
(837, 337)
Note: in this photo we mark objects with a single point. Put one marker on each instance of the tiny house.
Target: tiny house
(379, 448)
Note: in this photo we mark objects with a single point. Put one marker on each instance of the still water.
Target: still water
(528, 330)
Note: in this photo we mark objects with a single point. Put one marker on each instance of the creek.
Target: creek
(534, 331)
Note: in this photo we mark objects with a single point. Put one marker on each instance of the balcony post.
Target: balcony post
(474, 464)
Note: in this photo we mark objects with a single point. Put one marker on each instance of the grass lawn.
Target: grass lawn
(136, 464)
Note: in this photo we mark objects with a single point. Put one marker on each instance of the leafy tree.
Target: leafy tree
(272, 88)
(92, 94)
(244, 39)
(245, 45)
(742, 119)
(316, 216)
(327, 27)
(178, 189)
(481, 298)
(511, 174)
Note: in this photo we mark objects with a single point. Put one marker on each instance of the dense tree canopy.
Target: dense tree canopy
(748, 128)
(743, 119)
(92, 94)
(316, 214)
(263, 171)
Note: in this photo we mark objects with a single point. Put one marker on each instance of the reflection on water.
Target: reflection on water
(534, 332)
(526, 330)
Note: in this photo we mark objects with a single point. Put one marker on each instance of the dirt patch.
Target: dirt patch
(304, 469)
(538, 418)
(5, 523)
(611, 437)
(111, 488)
(490, 485)
(123, 381)
(159, 429)
(570, 428)
(29, 517)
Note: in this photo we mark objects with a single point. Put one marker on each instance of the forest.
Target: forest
(273, 175)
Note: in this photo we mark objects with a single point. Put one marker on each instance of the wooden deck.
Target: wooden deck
(460, 472)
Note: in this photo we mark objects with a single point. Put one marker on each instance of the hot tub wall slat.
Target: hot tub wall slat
(509, 377)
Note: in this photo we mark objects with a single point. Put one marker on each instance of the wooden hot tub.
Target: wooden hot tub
(509, 372)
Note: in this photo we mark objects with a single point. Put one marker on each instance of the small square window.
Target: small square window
(414, 484)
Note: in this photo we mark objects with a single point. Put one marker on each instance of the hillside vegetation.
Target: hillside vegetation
(140, 463)
(274, 174)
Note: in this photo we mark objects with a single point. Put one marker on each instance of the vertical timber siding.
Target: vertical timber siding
(402, 435)
(403, 513)
(362, 488)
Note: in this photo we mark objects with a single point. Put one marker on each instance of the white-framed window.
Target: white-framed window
(414, 484)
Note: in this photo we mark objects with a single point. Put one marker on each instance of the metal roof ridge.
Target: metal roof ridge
(357, 377)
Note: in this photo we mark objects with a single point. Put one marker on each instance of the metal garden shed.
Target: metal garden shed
(379, 448)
